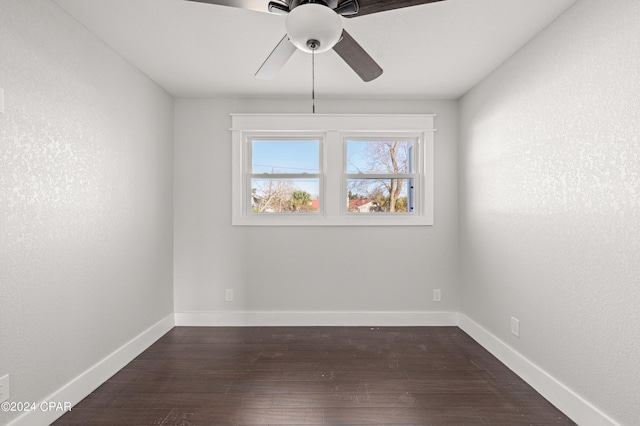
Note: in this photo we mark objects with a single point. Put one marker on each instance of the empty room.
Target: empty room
(219, 212)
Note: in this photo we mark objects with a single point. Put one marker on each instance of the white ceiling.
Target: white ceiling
(435, 51)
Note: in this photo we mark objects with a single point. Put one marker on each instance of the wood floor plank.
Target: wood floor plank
(408, 416)
(315, 375)
(343, 399)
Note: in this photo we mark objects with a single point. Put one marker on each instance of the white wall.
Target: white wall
(550, 203)
(276, 269)
(85, 200)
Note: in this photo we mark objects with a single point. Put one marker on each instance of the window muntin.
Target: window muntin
(380, 175)
(284, 175)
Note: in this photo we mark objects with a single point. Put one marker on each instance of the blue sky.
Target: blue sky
(301, 156)
(287, 156)
(291, 156)
(297, 156)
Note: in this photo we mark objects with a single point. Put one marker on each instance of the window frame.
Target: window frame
(332, 131)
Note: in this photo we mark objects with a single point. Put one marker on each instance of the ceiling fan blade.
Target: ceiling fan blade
(257, 5)
(276, 60)
(368, 7)
(356, 57)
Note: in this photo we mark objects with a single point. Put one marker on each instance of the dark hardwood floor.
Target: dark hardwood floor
(313, 376)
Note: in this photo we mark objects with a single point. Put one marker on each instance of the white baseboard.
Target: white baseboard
(380, 319)
(77, 389)
(573, 405)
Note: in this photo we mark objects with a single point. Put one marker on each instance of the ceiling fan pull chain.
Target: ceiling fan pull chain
(313, 80)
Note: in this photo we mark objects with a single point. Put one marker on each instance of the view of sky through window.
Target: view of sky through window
(296, 158)
(288, 189)
(376, 193)
(379, 156)
(285, 156)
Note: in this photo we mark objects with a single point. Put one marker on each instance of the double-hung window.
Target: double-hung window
(284, 174)
(380, 174)
(332, 170)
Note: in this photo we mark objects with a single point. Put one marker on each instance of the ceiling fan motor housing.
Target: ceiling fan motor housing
(314, 27)
(331, 4)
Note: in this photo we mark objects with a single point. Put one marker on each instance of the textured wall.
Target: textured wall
(85, 200)
(304, 269)
(550, 211)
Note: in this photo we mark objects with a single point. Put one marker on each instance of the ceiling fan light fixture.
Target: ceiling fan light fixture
(313, 21)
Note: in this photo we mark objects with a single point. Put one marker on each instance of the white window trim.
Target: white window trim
(333, 129)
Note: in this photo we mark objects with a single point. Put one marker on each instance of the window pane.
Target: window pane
(380, 195)
(285, 156)
(379, 156)
(285, 195)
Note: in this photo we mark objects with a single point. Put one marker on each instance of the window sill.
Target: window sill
(319, 220)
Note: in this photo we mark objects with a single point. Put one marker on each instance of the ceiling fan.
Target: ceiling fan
(315, 26)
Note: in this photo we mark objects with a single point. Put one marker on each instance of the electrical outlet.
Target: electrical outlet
(228, 295)
(515, 327)
(437, 295)
(4, 388)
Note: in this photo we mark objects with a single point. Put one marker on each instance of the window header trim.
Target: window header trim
(371, 123)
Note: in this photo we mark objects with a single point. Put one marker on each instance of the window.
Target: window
(284, 175)
(332, 169)
(380, 175)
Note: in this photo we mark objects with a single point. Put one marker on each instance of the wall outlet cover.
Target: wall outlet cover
(515, 326)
